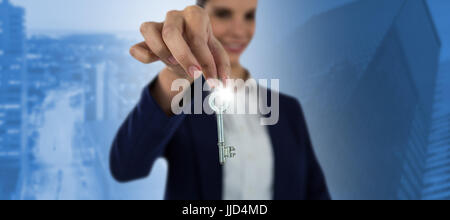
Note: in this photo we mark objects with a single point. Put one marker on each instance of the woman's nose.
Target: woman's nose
(238, 28)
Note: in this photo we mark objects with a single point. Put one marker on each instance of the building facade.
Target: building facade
(437, 172)
(366, 74)
(12, 96)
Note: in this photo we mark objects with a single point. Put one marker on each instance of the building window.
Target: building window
(14, 67)
(10, 106)
(13, 131)
(13, 82)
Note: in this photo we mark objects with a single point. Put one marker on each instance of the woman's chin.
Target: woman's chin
(234, 60)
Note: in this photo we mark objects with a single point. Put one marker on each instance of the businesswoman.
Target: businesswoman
(272, 162)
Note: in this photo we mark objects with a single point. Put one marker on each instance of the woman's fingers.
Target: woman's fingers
(142, 53)
(151, 31)
(185, 40)
(196, 27)
(172, 35)
(221, 59)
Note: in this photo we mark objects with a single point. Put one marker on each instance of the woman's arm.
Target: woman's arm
(186, 44)
(317, 187)
(141, 139)
(316, 184)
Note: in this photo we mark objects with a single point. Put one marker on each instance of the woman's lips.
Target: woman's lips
(234, 47)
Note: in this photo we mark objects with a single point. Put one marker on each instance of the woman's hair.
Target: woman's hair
(201, 3)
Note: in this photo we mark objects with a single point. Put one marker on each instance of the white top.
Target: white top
(249, 175)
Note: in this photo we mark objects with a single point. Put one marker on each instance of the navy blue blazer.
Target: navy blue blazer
(189, 144)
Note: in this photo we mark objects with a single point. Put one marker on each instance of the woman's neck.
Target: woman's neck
(239, 72)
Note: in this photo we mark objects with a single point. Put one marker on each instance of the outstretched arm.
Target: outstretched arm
(141, 139)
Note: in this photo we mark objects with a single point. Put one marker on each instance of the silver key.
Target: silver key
(225, 151)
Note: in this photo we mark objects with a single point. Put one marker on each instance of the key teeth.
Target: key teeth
(227, 153)
(231, 152)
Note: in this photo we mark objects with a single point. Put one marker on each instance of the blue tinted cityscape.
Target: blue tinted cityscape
(372, 76)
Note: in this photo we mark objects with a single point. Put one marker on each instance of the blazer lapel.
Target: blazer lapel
(279, 176)
(275, 132)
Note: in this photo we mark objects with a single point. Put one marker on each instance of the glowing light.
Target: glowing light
(221, 99)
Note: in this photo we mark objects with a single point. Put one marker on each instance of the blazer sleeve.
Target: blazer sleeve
(141, 139)
(316, 184)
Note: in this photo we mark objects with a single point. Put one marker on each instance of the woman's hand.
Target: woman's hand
(185, 43)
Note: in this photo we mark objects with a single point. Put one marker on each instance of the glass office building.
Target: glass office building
(366, 73)
(12, 96)
(437, 175)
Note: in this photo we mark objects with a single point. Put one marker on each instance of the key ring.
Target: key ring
(220, 93)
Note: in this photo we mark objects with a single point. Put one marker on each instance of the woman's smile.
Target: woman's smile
(235, 48)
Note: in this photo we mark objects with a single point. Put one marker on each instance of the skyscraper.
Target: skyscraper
(437, 175)
(365, 75)
(12, 95)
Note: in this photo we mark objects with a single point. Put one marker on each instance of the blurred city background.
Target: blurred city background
(372, 76)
